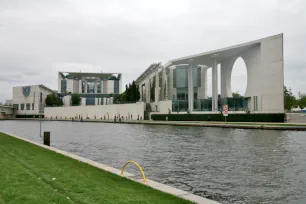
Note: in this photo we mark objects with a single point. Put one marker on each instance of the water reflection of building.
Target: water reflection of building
(183, 81)
(94, 88)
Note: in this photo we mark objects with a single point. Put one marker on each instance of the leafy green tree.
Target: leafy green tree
(53, 100)
(289, 99)
(137, 93)
(236, 94)
(75, 99)
(131, 94)
(302, 100)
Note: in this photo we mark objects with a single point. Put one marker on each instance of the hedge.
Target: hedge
(258, 117)
(28, 116)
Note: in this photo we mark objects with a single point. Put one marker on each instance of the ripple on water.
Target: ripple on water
(227, 165)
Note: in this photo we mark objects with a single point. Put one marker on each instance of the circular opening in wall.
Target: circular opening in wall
(239, 78)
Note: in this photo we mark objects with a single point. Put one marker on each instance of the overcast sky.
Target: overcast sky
(38, 38)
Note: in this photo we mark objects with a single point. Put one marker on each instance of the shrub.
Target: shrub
(258, 117)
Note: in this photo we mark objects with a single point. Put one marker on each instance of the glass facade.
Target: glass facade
(116, 86)
(180, 76)
(99, 86)
(180, 106)
(90, 101)
(234, 104)
(83, 86)
(63, 86)
(91, 86)
(16, 106)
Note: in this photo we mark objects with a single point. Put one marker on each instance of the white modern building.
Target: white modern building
(30, 100)
(183, 81)
(94, 88)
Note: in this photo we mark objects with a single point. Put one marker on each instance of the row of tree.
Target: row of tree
(54, 100)
(130, 95)
(291, 101)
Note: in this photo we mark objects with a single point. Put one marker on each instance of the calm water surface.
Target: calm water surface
(227, 165)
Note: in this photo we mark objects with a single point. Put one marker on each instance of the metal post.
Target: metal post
(40, 125)
(47, 138)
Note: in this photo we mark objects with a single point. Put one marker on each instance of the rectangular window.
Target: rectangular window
(182, 93)
(28, 106)
(195, 93)
(63, 86)
(22, 106)
(16, 106)
(116, 86)
(181, 75)
(32, 106)
(174, 78)
(99, 87)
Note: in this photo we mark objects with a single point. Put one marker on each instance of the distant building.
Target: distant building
(29, 101)
(8, 102)
(94, 88)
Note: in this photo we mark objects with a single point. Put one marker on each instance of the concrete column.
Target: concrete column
(163, 84)
(85, 84)
(215, 84)
(226, 70)
(190, 86)
(80, 85)
(204, 81)
(148, 91)
(96, 91)
(140, 91)
(157, 86)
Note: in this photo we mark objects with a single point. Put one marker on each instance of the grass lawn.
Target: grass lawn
(31, 174)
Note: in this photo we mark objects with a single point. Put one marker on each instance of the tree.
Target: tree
(137, 93)
(236, 94)
(289, 99)
(53, 100)
(131, 94)
(75, 99)
(302, 100)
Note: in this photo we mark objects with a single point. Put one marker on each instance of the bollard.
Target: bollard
(47, 138)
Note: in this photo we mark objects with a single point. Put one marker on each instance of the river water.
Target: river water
(226, 165)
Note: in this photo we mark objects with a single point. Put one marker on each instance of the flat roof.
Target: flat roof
(205, 57)
(90, 74)
(40, 85)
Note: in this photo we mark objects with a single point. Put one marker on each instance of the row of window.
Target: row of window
(91, 86)
(24, 106)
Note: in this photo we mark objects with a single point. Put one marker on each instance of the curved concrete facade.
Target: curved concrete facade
(265, 76)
